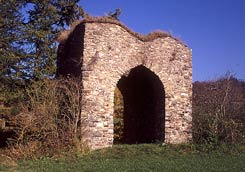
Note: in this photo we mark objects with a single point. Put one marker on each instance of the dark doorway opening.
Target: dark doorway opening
(143, 106)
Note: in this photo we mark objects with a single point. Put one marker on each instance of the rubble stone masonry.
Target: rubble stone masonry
(101, 53)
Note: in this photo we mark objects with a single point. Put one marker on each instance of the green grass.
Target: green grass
(143, 158)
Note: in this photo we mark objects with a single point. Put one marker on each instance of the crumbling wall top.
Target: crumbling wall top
(105, 19)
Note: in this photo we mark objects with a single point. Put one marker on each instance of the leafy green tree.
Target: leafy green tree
(45, 20)
(29, 29)
(11, 36)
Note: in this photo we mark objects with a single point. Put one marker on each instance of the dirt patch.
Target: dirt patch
(7, 161)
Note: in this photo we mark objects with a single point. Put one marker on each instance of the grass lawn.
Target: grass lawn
(141, 158)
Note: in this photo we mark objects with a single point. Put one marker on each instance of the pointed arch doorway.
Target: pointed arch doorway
(143, 112)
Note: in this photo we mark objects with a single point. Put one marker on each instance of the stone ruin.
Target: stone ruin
(153, 73)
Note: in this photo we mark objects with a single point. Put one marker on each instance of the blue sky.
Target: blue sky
(213, 29)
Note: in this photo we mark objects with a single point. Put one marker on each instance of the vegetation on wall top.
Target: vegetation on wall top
(110, 20)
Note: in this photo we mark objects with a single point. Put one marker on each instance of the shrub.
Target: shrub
(218, 111)
(50, 121)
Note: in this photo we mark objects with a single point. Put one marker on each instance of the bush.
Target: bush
(218, 111)
(50, 121)
(211, 129)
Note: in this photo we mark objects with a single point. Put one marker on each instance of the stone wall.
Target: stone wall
(103, 52)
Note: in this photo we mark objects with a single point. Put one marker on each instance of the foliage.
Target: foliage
(218, 111)
(11, 36)
(11, 96)
(43, 25)
(50, 120)
(29, 29)
(118, 116)
(142, 158)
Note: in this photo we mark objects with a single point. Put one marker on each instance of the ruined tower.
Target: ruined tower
(153, 73)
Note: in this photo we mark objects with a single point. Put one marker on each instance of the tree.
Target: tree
(45, 20)
(11, 35)
(28, 32)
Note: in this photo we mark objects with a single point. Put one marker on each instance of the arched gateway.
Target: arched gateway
(153, 73)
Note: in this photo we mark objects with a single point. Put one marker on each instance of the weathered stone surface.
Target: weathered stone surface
(107, 52)
(2, 123)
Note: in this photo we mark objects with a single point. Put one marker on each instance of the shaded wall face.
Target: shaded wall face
(70, 53)
(144, 106)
